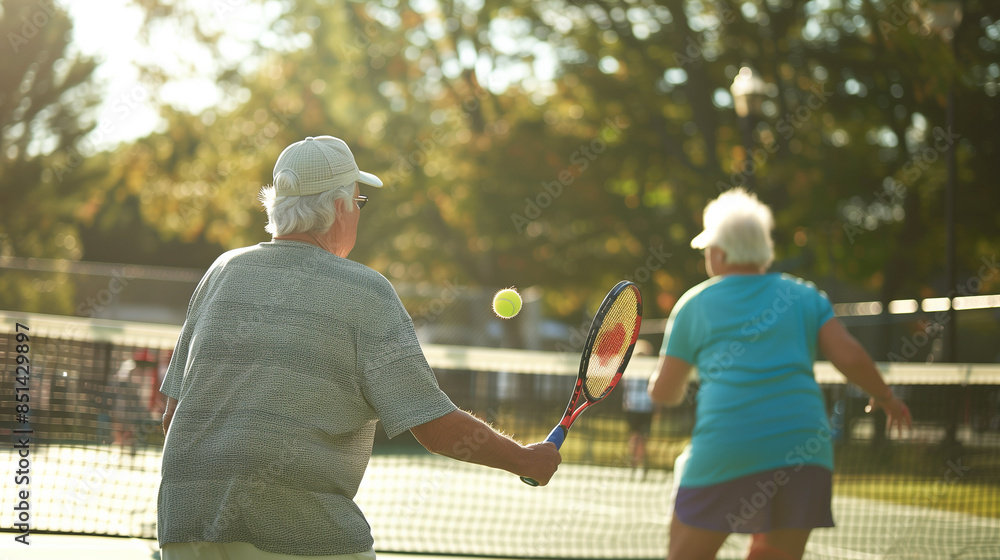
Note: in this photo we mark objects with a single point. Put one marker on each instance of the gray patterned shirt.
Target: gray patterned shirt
(288, 357)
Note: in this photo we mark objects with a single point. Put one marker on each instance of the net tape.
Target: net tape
(448, 357)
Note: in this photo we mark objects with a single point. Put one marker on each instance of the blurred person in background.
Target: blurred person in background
(127, 407)
(639, 410)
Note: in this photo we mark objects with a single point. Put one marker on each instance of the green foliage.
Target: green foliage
(44, 97)
(571, 144)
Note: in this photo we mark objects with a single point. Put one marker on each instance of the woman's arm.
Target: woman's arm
(847, 355)
(669, 382)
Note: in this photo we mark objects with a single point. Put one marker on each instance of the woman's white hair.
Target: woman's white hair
(740, 225)
(313, 213)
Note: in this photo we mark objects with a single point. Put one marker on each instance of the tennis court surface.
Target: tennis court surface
(89, 547)
(95, 461)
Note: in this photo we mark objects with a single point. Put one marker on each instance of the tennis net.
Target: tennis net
(94, 455)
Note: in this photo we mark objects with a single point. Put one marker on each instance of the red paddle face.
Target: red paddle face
(617, 331)
(608, 348)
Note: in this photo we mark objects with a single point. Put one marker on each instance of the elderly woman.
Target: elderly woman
(289, 355)
(760, 459)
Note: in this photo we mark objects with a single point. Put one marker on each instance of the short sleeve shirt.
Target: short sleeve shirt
(753, 339)
(287, 359)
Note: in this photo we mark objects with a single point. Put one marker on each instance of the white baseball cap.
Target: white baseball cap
(318, 163)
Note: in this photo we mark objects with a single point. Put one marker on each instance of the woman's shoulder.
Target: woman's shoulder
(794, 281)
(697, 293)
(792, 284)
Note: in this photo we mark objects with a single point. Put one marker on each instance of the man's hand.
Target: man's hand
(462, 436)
(543, 460)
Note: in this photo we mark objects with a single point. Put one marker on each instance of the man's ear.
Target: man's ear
(341, 206)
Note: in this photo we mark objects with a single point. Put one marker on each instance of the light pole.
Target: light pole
(943, 18)
(748, 91)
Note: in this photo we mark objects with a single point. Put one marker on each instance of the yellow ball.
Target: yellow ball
(507, 303)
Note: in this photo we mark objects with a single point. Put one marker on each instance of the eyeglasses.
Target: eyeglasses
(361, 200)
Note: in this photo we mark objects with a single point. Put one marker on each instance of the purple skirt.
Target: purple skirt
(761, 502)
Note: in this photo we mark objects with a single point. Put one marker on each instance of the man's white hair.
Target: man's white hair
(313, 213)
(740, 225)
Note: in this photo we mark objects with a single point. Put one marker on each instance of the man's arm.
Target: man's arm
(461, 436)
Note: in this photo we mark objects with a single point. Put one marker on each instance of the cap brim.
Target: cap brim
(702, 240)
(369, 179)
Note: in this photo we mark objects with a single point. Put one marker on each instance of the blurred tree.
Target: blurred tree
(568, 144)
(847, 145)
(45, 95)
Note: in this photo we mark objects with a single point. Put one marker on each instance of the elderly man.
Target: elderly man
(289, 355)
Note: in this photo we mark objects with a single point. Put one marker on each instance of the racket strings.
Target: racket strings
(611, 344)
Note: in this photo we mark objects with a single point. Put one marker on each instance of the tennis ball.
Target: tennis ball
(507, 303)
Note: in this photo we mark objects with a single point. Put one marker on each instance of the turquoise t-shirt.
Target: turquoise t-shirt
(753, 339)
